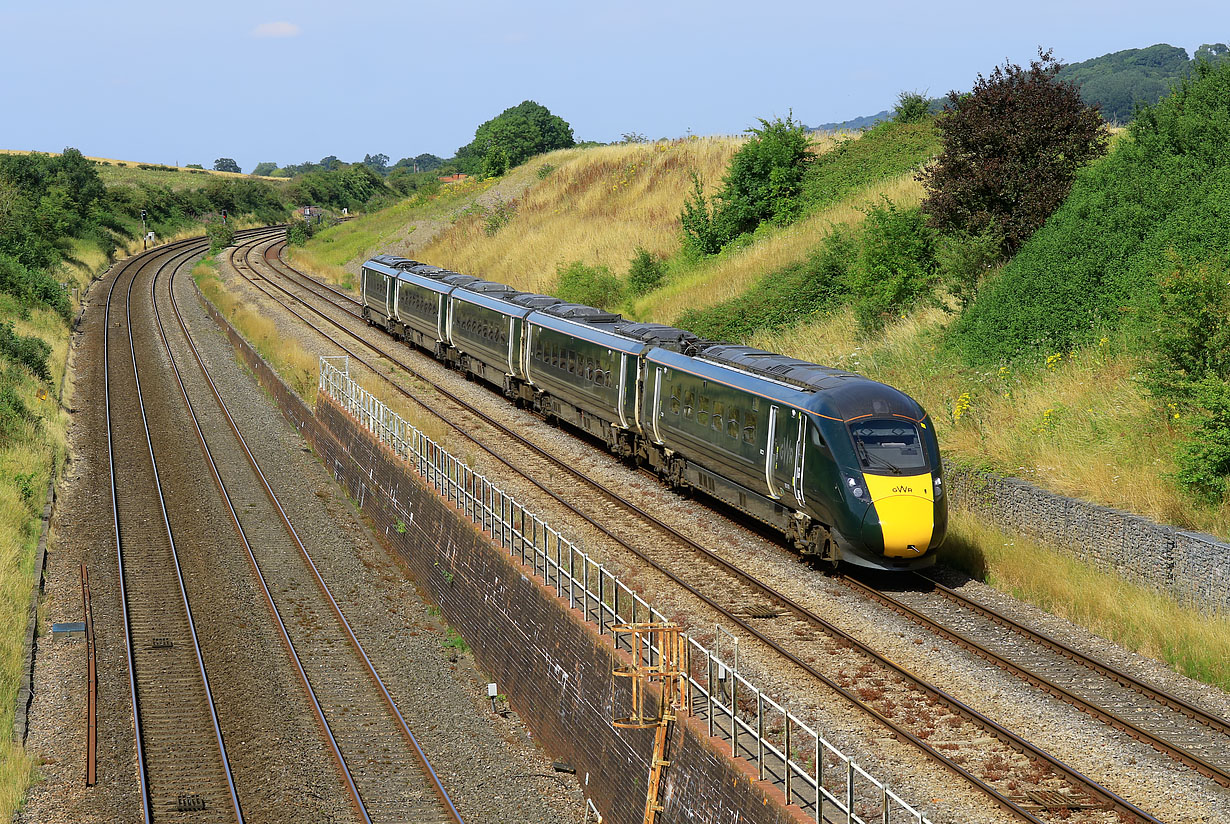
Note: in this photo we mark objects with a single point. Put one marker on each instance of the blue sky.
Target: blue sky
(294, 81)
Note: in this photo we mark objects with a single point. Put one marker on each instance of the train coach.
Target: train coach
(846, 468)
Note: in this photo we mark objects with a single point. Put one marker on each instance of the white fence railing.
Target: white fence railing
(783, 748)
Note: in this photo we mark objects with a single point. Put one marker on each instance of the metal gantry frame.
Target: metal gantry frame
(813, 772)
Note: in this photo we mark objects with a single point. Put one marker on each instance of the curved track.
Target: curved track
(182, 763)
(1049, 775)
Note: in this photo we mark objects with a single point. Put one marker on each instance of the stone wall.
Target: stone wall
(1191, 567)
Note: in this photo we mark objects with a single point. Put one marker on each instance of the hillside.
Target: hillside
(1073, 420)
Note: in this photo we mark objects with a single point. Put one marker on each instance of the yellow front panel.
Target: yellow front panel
(906, 506)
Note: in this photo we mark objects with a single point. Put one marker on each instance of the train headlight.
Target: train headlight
(939, 486)
(856, 489)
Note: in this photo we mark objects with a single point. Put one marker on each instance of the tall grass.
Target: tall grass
(1192, 642)
(596, 206)
(737, 269)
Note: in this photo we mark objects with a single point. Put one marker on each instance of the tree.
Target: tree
(378, 163)
(521, 132)
(264, 169)
(912, 107)
(1011, 148)
(332, 162)
(226, 164)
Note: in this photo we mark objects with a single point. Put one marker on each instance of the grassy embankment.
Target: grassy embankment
(1077, 424)
(128, 172)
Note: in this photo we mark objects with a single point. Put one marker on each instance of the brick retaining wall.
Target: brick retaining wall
(554, 668)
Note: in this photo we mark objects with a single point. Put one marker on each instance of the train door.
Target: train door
(657, 402)
(784, 463)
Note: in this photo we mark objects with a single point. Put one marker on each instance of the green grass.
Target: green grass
(1188, 640)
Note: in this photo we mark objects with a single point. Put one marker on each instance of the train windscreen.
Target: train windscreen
(888, 445)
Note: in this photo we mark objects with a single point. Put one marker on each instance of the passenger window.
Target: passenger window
(702, 414)
(675, 401)
(599, 378)
(554, 355)
(717, 416)
(589, 369)
(689, 401)
(749, 426)
(732, 428)
(572, 362)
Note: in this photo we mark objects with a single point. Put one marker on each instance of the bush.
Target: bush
(29, 351)
(912, 107)
(498, 215)
(544, 170)
(1204, 455)
(590, 285)
(792, 295)
(964, 259)
(644, 272)
(13, 410)
(33, 286)
(1092, 267)
(221, 234)
(896, 265)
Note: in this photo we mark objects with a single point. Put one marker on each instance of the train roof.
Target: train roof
(395, 262)
(657, 334)
(800, 373)
(581, 313)
(533, 301)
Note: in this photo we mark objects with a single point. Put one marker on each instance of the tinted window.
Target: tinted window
(888, 445)
(749, 427)
(717, 415)
(689, 401)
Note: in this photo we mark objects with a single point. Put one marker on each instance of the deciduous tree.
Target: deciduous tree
(1011, 148)
(226, 164)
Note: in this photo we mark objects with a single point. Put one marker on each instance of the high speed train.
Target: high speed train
(845, 468)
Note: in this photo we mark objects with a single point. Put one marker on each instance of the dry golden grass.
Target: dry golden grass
(1082, 425)
(736, 270)
(597, 205)
(298, 367)
(1194, 643)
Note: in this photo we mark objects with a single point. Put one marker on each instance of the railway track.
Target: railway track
(1053, 791)
(183, 766)
(385, 770)
(1190, 735)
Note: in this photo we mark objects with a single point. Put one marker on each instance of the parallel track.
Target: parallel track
(182, 765)
(1078, 786)
(384, 788)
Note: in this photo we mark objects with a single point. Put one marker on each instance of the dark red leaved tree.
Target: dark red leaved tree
(1011, 148)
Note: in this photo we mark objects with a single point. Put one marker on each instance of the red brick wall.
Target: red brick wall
(552, 665)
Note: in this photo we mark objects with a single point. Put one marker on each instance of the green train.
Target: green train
(845, 468)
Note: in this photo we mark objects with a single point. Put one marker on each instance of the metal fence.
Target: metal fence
(784, 749)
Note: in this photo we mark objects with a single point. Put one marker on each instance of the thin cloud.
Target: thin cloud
(279, 29)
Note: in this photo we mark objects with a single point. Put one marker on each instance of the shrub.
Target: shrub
(544, 170)
(644, 272)
(1203, 457)
(590, 285)
(498, 215)
(13, 410)
(1011, 150)
(964, 259)
(495, 163)
(896, 265)
(221, 234)
(29, 351)
(33, 286)
(912, 107)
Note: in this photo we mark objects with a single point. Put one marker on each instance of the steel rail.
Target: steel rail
(1159, 743)
(172, 251)
(424, 762)
(1171, 702)
(348, 778)
(1093, 789)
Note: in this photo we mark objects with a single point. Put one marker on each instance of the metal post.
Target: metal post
(786, 743)
(760, 735)
(819, 781)
(884, 803)
(709, 677)
(849, 791)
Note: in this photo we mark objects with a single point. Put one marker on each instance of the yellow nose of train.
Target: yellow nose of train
(905, 509)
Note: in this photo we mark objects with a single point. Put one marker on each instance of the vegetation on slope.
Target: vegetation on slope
(1122, 81)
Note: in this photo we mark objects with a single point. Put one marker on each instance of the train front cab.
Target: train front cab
(377, 285)
(887, 468)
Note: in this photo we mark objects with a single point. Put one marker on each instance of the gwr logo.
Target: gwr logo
(902, 489)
